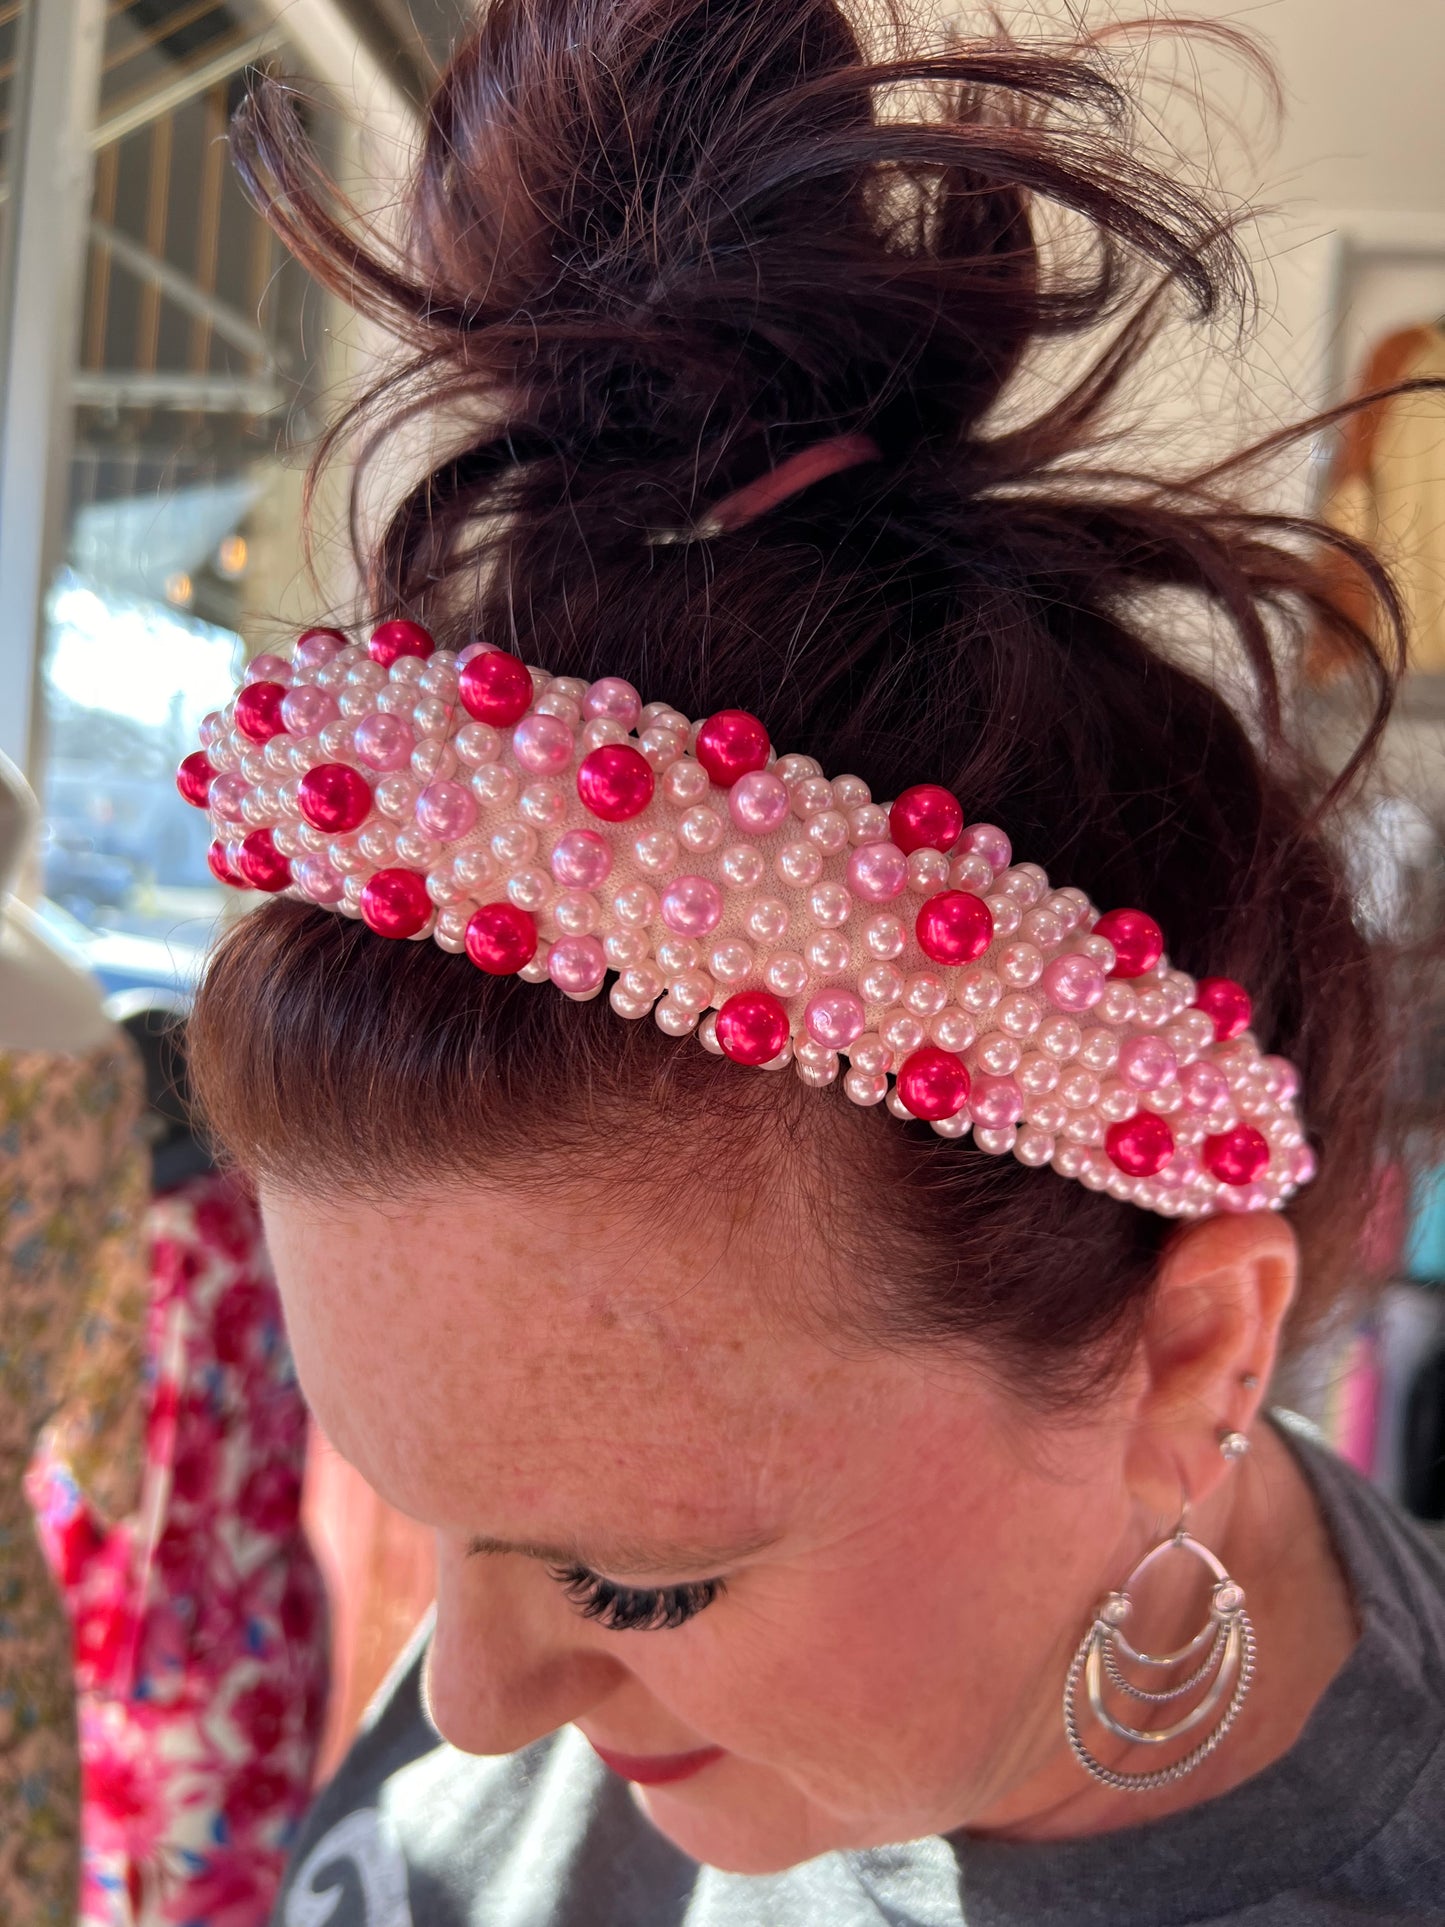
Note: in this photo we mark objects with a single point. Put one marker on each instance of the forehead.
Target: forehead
(513, 1364)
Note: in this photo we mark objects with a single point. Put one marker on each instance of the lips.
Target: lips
(657, 1769)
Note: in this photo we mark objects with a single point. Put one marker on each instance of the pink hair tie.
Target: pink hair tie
(789, 478)
(564, 831)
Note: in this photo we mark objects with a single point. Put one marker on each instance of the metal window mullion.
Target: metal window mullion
(41, 286)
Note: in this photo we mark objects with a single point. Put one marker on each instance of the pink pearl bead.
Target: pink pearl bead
(752, 1027)
(995, 1102)
(393, 640)
(1141, 1146)
(615, 782)
(1238, 1156)
(395, 903)
(307, 709)
(446, 811)
(1226, 1003)
(258, 711)
(227, 795)
(878, 872)
(384, 742)
(495, 688)
(582, 859)
(758, 802)
(1147, 1062)
(835, 1018)
(692, 906)
(193, 779)
(730, 745)
(1074, 983)
(614, 699)
(984, 840)
(317, 878)
(1138, 941)
(1204, 1086)
(501, 939)
(316, 647)
(544, 744)
(267, 668)
(933, 1083)
(926, 817)
(954, 927)
(335, 798)
(577, 964)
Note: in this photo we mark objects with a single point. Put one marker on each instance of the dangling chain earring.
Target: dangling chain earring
(1224, 1648)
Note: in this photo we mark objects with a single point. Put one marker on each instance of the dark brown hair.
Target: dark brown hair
(652, 247)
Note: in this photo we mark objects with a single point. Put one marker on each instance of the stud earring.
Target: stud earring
(1250, 1382)
(1233, 1445)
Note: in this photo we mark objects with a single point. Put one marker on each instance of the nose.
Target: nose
(506, 1665)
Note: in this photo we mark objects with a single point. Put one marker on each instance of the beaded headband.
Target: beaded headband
(557, 829)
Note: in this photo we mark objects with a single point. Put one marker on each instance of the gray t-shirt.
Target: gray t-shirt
(1348, 1826)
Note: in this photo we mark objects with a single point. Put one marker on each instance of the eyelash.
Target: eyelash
(635, 1609)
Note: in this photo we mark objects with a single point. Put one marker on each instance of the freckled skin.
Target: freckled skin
(574, 1372)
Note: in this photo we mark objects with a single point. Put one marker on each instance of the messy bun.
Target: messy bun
(652, 248)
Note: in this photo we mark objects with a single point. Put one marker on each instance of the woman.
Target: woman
(788, 1439)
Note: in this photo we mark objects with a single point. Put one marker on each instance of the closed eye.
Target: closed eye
(641, 1609)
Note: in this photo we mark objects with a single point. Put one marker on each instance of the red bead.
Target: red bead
(752, 1027)
(496, 688)
(1141, 1147)
(220, 867)
(1227, 1002)
(616, 782)
(335, 798)
(933, 1083)
(262, 864)
(395, 903)
(193, 778)
(1236, 1157)
(954, 927)
(926, 817)
(1138, 941)
(395, 639)
(732, 744)
(501, 938)
(338, 636)
(258, 711)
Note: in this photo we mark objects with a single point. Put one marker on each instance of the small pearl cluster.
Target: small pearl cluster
(563, 830)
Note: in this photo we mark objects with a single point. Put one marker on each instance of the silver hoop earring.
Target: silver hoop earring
(1220, 1653)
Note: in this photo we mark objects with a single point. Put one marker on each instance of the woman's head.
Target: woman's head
(654, 247)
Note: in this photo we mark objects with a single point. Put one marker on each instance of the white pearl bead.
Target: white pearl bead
(884, 937)
(898, 1107)
(377, 842)
(661, 747)
(1061, 1038)
(970, 872)
(416, 849)
(953, 1030)
(902, 1033)
(767, 920)
(828, 954)
(642, 982)
(1069, 1159)
(1118, 1101)
(701, 830)
(1066, 907)
(864, 1087)
(924, 994)
(731, 961)
(514, 843)
(254, 766)
(881, 984)
(406, 669)
(430, 717)
(742, 866)
(657, 852)
(796, 769)
(677, 955)
(999, 1055)
(636, 905)
(477, 743)
(352, 888)
(1040, 926)
(1038, 1074)
(312, 839)
(433, 759)
(1049, 1114)
(1100, 1049)
(956, 1126)
(828, 832)
(551, 704)
(829, 904)
(601, 731)
(799, 864)
(305, 754)
(494, 786)
(1033, 1147)
(998, 1143)
(530, 888)
(674, 1019)
(927, 871)
(625, 948)
(1021, 964)
(1026, 883)
(850, 792)
(355, 703)
(543, 804)
(785, 974)
(811, 795)
(1006, 913)
(817, 1074)
(1101, 950)
(1152, 1007)
(1084, 1127)
(707, 1034)
(686, 782)
(1019, 1014)
(1117, 1004)
(691, 991)
(868, 824)
(442, 887)
(277, 755)
(577, 913)
(287, 840)
(978, 989)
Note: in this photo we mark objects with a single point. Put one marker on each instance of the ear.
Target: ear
(1213, 1324)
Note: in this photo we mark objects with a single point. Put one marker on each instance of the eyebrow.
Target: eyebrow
(628, 1559)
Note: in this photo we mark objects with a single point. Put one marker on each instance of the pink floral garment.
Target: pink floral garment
(200, 1623)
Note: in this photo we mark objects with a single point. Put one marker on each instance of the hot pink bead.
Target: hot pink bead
(316, 647)
(1204, 1085)
(1141, 1146)
(613, 698)
(219, 865)
(193, 779)
(989, 842)
(1236, 1157)
(543, 744)
(1074, 983)
(262, 864)
(307, 709)
(393, 640)
(384, 741)
(1147, 1062)
(616, 782)
(582, 859)
(335, 798)
(878, 872)
(395, 903)
(496, 688)
(731, 744)
(933, 1083)
(446, 811)
(835, 1018)
(752, 1027)
(1138, 941)
(954, 927)
(227, 795)
(319, 880)
(926, 817)
(692, 906)
(258, 711)
(1226, 1003)
(501, 939)
(995, 1102)
(577, 964)
(758, 802)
